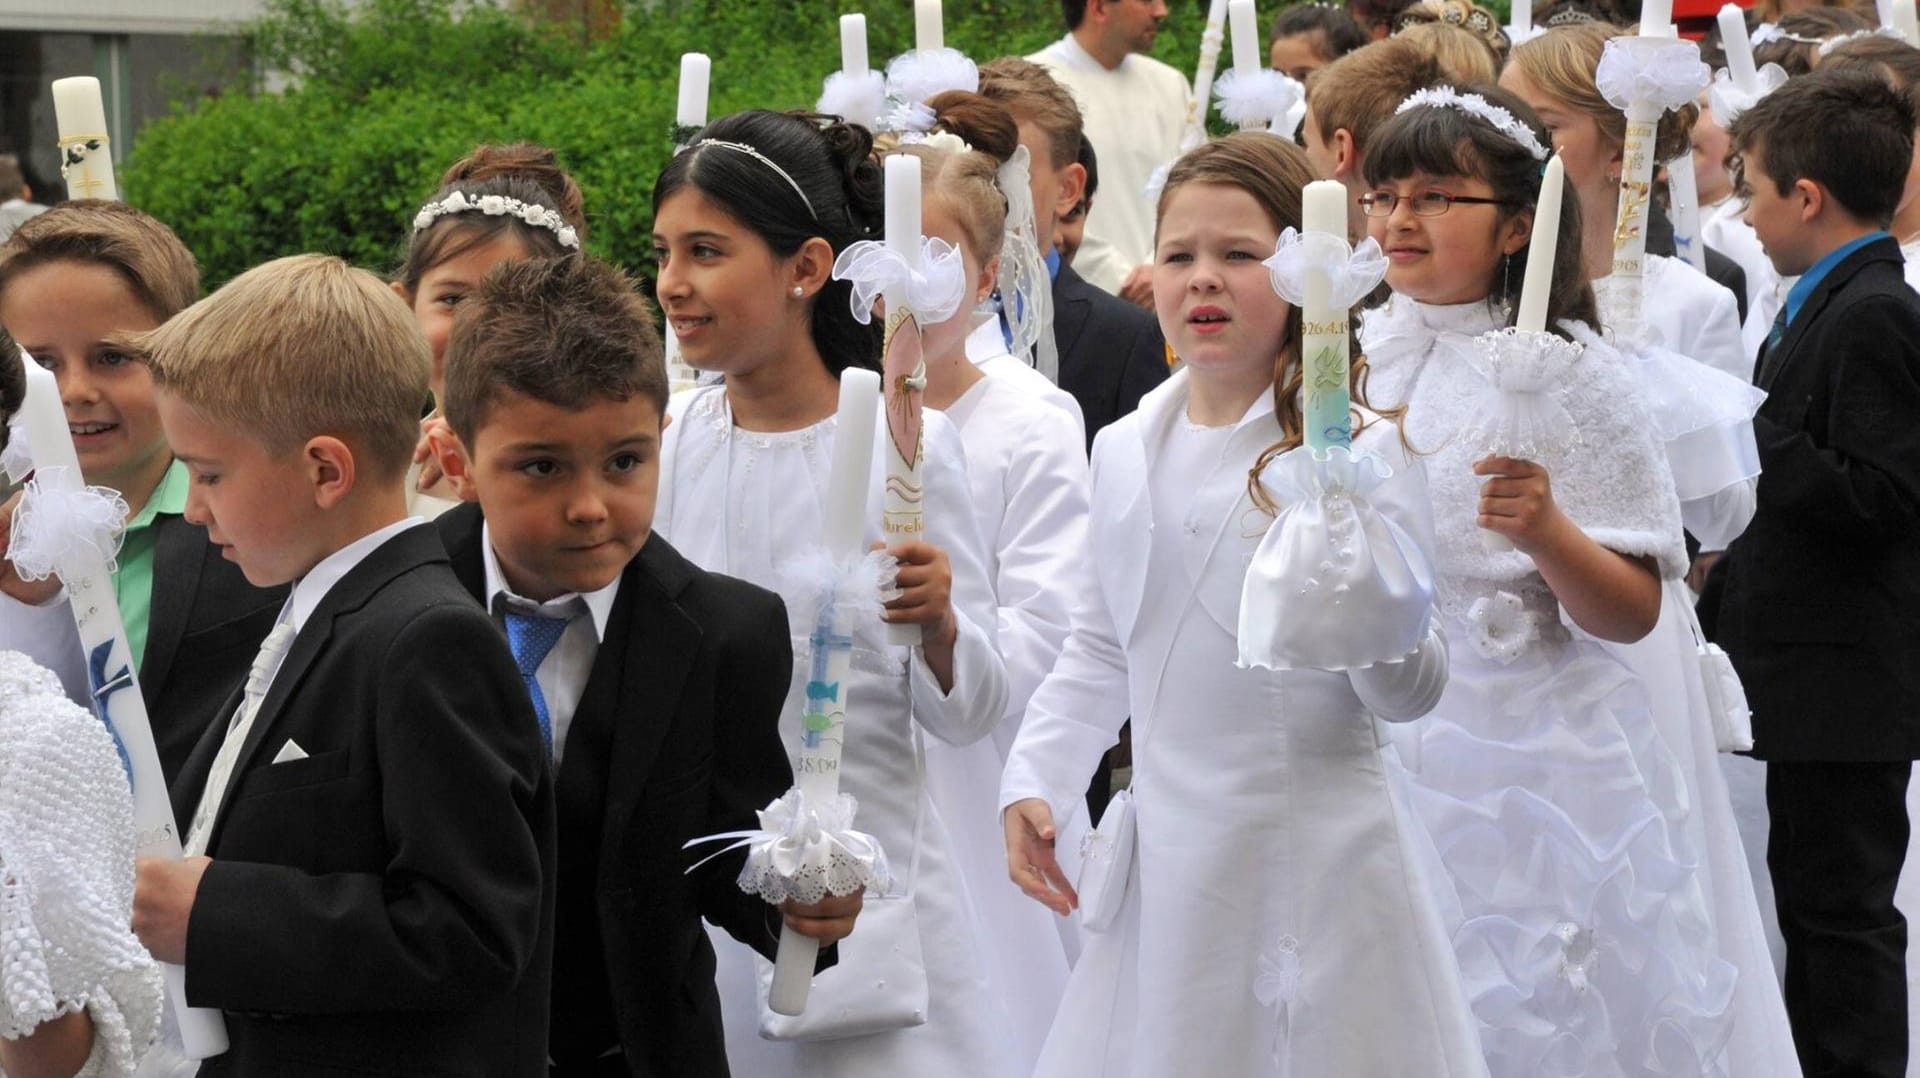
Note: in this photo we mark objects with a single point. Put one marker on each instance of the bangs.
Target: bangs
(1430, 141)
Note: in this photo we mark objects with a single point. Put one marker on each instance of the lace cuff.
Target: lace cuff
(1335, 584)
(1520, 414)
(805, 852)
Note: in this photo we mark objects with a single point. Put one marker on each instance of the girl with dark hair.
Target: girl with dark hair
(1585, 917)
(1274, 919)
(747, 224)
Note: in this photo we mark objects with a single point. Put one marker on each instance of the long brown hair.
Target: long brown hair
(1273, 171)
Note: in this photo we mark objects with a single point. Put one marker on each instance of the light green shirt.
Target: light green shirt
(133, 580)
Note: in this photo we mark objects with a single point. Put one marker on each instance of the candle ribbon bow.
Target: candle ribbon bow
(1729, 99)
(856, 591)
(56, 522)
(855, 97)
(1352, 272)
(918, 75)
(1640, 70)
(1520, 414)
(804, 852)
(1264, 97)
(16, 460)
(933, 290)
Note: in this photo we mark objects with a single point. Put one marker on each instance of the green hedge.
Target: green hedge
(393, 91)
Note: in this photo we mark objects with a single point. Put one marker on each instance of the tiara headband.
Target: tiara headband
(741, 147)
(498, 206)
(1444, 97)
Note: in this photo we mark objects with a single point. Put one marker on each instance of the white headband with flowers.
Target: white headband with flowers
(533, 214)
(1445, 97)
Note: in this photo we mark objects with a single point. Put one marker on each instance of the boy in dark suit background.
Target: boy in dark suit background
(659, 684)
(376, 800)
(1819, 601)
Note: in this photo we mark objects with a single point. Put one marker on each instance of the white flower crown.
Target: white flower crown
(497, 206)
(1445, 97)
(1826, 47)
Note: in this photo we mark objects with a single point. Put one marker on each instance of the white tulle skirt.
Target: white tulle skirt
(1583, 935)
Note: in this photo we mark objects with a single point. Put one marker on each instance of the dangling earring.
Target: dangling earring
(1506, 288)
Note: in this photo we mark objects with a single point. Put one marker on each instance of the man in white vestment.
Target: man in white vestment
(1135, 108)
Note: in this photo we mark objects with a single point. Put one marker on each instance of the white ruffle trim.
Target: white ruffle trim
(16, 459)
(1661, 71)
(1729, 99)
(1334, 584)
(918, 75)
(55, 524)
(1520, 414)
(859, 99)
(805, 852)
(1353, 272)
(934, 289)
(1263, 98)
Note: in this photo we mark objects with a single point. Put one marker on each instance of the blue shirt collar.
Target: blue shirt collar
(1053, 263)
(1810, 280)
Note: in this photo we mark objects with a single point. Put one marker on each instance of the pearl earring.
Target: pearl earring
(798, 291)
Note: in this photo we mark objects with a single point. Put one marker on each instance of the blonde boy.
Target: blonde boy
(373, 808)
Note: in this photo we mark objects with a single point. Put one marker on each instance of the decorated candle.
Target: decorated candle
(1739, 48)
(1542, 249)
(1522, 15)
(853, 45)
(86, 154)
(115, 691)
(1656, 18)
(903, 206)
(696, 70)
(843, 524)
(1323, 219)
(1246, 38)
(927, 34)
(1905, 21)
(1210, 39)
(904, 369)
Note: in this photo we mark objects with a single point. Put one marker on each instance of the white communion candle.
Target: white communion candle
(1542, 249)
(1905, 21)
(1246, 38)
(1739, 49)
(927, 31)
(1210, 38)
(1323, 220)
(1884, 9)
(1522, 15)
(853, 45)
(851, 480)
(696, 72)
(903, 207)
(86, 154)
(1656, 18)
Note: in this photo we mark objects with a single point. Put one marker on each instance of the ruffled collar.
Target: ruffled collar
(1404, 328)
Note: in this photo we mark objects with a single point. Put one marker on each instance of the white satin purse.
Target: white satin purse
(1106, 858)
(1726, 698)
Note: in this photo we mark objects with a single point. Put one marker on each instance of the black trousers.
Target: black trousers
(1838, 838)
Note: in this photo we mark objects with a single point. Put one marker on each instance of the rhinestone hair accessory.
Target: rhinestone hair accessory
(533, 214)
(741, 147)
(1443, 97)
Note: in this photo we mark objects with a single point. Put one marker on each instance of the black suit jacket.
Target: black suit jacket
(384, 905)
(1819, 602)
(1111, 352)
(693, 672)
(204, 626)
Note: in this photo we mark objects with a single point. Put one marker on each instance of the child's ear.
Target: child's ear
(1816, 197)
(1346, 158)
(451, 453)
(1073, 187)
(1518, 232)
(406, 295)
(812, 265)
(327, 464)
(989, 279)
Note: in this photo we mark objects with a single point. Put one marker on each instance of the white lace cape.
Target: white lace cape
(66, 875)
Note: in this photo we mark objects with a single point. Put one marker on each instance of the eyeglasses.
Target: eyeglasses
(1425, 204)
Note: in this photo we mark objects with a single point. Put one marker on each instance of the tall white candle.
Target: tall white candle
(1323, 221)
(1210, 37)
(903, 206)
(1739, 49)
(927, 32)
(1522, 15)
(80, 114)
(851, 481)
(1543, 247)
(1246, 38)
(853, 45)
(116, 695)
(696, 72)
(1905, 21)
(1656, 18)
(1884, 9)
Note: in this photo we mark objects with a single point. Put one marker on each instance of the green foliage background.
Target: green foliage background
(390, 93)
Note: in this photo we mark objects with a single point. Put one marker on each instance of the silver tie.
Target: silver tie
(259, 678)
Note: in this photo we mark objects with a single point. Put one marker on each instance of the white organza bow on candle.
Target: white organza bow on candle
(56, 525)
(1334, 584)
(1353, 271)
(1666, 72)
(16, 460)
(1519, 414)
(858, 590)
(860, 98)
(918, 75)
(1262, 98)
(805, 852)
(1729, 100)
(934, 289)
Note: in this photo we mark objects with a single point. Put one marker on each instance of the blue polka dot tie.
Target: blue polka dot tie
(532, 636)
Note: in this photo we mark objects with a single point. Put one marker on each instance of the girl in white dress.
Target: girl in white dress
(1582, 926)
(1276, 919)
(747, 224)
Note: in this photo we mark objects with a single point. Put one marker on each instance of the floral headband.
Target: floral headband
(1444, 97)
(533, 214)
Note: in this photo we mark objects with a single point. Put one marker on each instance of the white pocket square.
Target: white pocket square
(289, 752)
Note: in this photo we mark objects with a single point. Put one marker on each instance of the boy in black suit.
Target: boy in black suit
(660, 684)
(1819, 603)
(375, 800)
